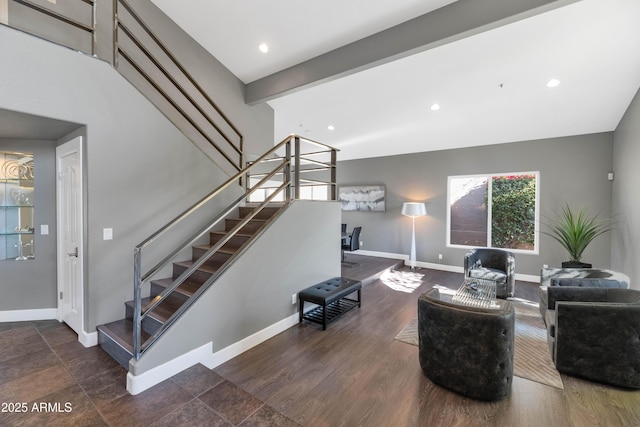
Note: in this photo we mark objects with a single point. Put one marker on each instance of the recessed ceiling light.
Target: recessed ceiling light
(264, 48)
(331, 127)
(435, 107)
(553, 83)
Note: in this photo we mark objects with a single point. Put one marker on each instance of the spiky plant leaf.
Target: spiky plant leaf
(575, 231)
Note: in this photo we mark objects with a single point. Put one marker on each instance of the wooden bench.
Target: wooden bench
(331, 298)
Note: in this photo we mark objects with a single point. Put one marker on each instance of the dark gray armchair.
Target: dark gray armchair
(594, 333)
(466, 349)
(492, 264)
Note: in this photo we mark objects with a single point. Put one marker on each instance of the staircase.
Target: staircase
(116, 338)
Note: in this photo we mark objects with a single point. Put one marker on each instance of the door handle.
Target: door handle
(75, 254)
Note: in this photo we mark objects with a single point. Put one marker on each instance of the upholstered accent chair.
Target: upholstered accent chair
(468, 350)
(492, 264)
(594, 333)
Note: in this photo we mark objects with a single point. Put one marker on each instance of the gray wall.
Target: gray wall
(140, 170)
(34, 278)
(572, 170)
(248, 297)
(625, 248)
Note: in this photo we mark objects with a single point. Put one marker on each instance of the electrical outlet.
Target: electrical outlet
(545, 265)
(294, 298)
(440, 256)
(361, 243)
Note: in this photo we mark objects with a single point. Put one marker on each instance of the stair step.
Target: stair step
(116, 338)
(236, 242)
(217, 259)
(266, 213)
(154, 320)
(199, 276)
(180, 295)
(250, 228)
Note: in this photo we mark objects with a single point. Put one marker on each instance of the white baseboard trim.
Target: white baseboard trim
(441, 267)
(28, 315)
(235, 349)
(138, 383)
(88, 339)
(391, 255)
(205, 355)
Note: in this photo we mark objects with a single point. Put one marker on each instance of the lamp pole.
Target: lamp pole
(412, 257)
(413, 209)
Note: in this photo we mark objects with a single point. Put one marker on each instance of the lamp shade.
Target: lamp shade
(414, 209)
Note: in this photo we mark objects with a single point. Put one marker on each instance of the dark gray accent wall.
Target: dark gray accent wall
(625, 248)
(32, 284)
(140, 171)
(572, 170)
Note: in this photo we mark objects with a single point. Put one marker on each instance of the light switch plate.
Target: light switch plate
(44, 229)
(107, 234)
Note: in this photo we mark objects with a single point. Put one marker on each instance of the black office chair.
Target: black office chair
(343, 228)
(353, 245)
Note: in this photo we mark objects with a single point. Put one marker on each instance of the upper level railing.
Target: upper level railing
(279, 174)
(142, 57)
(139, 53)
(71, 23)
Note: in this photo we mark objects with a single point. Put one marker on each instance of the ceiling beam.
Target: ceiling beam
(450, 23)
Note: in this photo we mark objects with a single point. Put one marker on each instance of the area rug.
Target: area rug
(531, 354)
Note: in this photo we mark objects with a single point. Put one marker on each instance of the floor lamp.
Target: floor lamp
(413, 209)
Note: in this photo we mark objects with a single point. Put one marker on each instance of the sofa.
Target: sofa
(577, 277)
(593, 332)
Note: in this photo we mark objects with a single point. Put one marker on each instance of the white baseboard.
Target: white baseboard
(139, 383)
(441, 267)
(204, 355)
(229, 352)
(28, 315)
(88, 339)
(391, 255)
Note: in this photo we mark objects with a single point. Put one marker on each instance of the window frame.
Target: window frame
(489, 177)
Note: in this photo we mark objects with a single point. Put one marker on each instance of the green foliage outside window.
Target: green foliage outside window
(513, 211)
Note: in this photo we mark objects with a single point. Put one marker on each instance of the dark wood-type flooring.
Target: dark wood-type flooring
(352, 374)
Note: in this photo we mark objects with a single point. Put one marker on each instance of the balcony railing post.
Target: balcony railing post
(137, 300)
(296, 169)
(334, 185)
(286, 173)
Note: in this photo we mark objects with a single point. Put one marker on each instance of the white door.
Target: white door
(69, 225)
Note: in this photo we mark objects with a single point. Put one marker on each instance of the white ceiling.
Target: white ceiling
(491, 86)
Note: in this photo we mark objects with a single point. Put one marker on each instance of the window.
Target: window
(494, 211)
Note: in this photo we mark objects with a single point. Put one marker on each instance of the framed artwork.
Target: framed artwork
(362, 198)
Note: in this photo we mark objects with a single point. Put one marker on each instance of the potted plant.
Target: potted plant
(574, 232)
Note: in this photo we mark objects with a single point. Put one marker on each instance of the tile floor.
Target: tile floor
(48, 378)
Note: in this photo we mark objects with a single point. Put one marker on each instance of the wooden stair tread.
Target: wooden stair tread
(207, 268)
(121, 331)
(223, 250)
(188, 288)
(224, 233)
(162, 312)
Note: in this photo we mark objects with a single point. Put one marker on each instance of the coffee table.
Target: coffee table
(476, 293)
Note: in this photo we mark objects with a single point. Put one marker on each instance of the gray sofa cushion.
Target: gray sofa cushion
(488, 274)
(588, 282)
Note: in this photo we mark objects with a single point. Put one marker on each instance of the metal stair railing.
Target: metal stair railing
(232, 150)
(283, 168)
